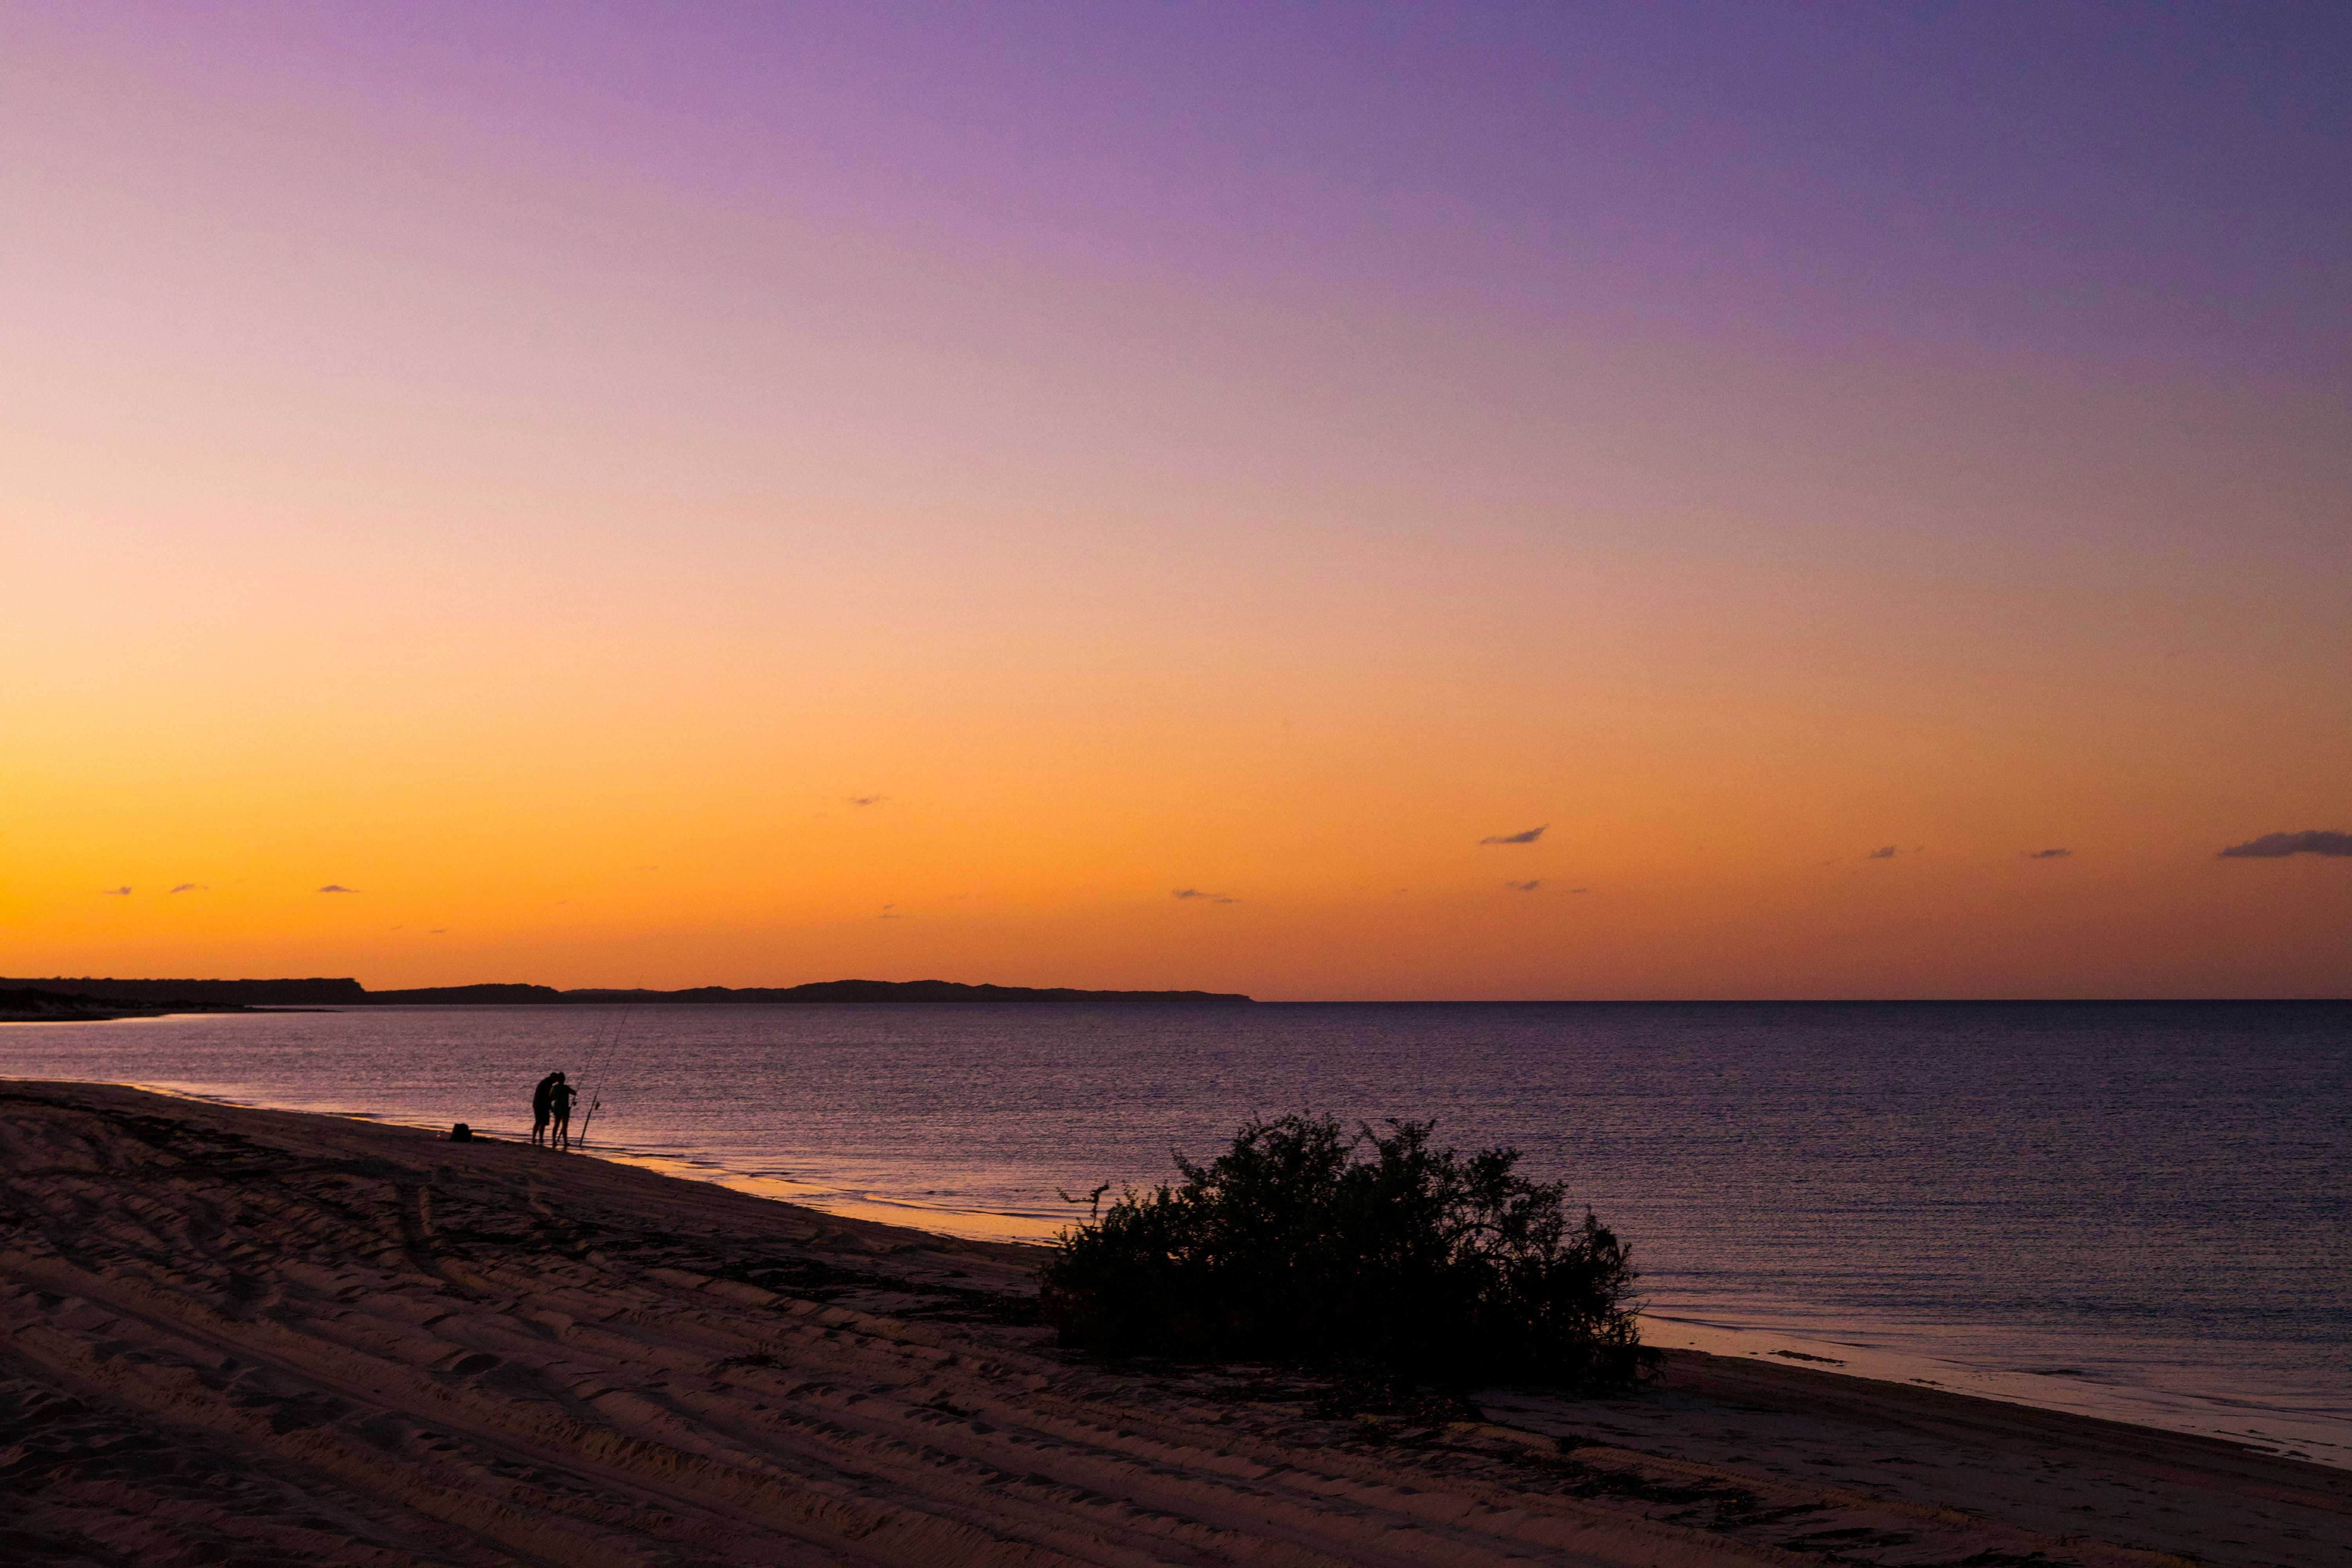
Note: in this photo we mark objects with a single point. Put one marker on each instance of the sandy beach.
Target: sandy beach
(261, 1337)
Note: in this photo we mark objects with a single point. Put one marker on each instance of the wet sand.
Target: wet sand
(260, 1337)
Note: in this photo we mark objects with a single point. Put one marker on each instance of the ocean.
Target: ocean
(2141, 1210)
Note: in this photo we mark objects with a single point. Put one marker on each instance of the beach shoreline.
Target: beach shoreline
(277, 1336)
(2290, 1421)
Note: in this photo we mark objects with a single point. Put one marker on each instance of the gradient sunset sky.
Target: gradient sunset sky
(1129, 495)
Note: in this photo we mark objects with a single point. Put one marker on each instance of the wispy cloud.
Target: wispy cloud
(2046, 853)
(1197, 893)
(1886, 854)
(867, 799)
(2279, 845)
(1530, 837)
(190, 888)
(337, 887)
(1525, 887)
(438, 930)
(114, 892)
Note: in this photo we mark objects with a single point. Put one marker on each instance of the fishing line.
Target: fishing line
(596, 1073)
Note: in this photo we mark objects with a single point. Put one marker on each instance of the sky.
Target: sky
(1372, 501)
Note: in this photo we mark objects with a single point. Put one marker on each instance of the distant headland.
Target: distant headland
(345, 992)
(32, 1004)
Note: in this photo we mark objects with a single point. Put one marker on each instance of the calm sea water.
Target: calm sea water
(2145, 1195)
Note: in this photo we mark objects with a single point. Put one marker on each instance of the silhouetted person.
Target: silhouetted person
(543, 1106)
(559, 1100)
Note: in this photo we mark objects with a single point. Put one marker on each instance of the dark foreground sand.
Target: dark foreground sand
(255, 1337)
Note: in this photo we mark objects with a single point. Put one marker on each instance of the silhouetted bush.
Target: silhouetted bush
(1371, 1255)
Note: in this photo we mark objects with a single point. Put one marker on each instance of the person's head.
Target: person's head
(559, 1078)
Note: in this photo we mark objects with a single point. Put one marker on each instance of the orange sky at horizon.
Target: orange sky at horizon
(551, 543)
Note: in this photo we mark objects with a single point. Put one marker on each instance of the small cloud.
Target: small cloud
(867, 799)
(1886, 854)
(114, 892)
(1530, 837)
(337, 887)
(2046, 853)
(1525, 887)
(395, 928)
(438, 930)
(1197, 893)
(1580, 890)
(2278, 845)
(189, 887)
(888, 917)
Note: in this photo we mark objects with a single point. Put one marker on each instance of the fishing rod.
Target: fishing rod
(597, 1072)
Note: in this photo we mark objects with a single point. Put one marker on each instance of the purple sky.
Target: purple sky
(2121, 179)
